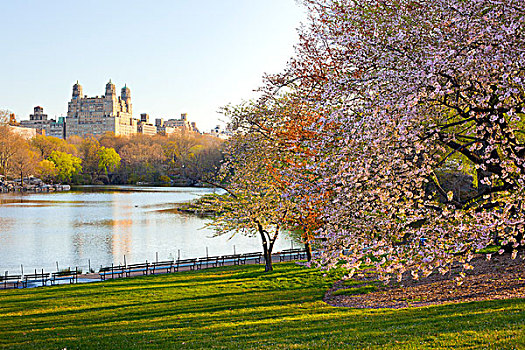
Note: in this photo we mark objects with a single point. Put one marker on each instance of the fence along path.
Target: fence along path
(41, 278)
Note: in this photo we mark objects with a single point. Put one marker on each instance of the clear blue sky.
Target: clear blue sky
(176, 56)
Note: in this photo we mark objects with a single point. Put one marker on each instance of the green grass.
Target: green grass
(354, 283)
(356, 290)
(241, 308)
(489, 249)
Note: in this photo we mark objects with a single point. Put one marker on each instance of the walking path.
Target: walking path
(285, 255)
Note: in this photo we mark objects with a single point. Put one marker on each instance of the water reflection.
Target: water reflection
(99, 226)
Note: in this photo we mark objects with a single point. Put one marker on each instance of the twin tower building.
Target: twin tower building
(98, 115)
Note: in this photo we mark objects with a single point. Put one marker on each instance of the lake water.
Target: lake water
(101, 225)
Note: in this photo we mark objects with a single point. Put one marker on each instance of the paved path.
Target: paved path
(95, 277)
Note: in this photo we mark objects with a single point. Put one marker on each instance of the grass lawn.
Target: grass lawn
(240, 308)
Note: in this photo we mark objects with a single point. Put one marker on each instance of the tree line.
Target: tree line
(184, 158)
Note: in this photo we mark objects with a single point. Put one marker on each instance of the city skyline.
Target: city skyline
(184, 57)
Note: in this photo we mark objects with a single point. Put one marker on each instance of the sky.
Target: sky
(176, 56)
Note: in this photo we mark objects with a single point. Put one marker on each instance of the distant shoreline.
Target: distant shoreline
(14, 186)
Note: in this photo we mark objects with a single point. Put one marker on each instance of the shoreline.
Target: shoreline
(34, 189)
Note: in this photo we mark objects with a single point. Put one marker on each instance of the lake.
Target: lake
(101, 225)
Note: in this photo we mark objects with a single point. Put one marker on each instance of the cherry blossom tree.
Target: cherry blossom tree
(393, 104)
(253, 204)
(414, 90)
(265, 160)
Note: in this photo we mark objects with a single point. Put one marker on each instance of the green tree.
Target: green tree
(66, 164)
(109, 159)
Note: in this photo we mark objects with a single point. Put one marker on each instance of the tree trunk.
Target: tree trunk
(267, 251)
(308, 249)
(267, 259)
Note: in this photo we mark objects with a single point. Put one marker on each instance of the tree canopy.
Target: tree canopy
(109, 159)
(66, 165)
(399, 126)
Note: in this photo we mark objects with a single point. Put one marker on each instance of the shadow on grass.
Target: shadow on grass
(240, 308)
(323, 326)
(185, 279)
